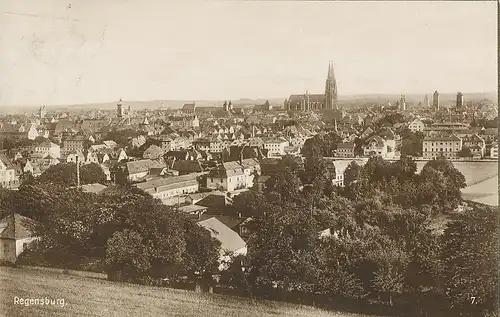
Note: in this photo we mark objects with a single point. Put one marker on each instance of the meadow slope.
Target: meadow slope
(95, 297)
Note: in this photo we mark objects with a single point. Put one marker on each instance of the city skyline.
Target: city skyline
(53, 53)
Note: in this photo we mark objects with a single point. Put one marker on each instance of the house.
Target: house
(494, 151)
(74, 143)
(76, 156)
(437, 146)
(390, 139)
(19, 131)
(91, 157)
(110, 144)
(189, 108)
(169, 187)
(184, 122)
(153, 152)
(187, 167)
(48, 148)
(368, 131)
(251, 167)
(193, 210)
(16, 235)
(228, 176)
(8, 175)
(475, 143)
(275, 146)
(136, 170)
(229, 239)
(416, 126)
(345, 149)
(375, 146)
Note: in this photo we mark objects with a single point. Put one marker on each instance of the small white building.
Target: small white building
(375, 146)
(16, 235)
(167, 188)
(447, 146)
(275, 146)
(494, 151)
(229, 239)
(48, 148)
(227, 177)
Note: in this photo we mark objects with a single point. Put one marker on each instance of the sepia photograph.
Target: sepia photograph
(249, 158)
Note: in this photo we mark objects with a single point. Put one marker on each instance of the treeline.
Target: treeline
(379, 246)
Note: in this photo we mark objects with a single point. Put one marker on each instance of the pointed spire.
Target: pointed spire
(331, 73)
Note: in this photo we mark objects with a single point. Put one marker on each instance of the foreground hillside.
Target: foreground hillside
(93, 297)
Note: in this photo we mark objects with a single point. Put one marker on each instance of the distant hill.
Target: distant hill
(177, 104)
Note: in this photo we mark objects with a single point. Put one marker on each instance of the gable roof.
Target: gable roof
(346, 145)
(377, 139)
(5, 160)
(15, 226)
(162, 184)
(187, 166)
(188, 106)
(144, 165)
(250, 162)
(229, 239)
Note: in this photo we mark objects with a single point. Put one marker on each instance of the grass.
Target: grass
(96, 297)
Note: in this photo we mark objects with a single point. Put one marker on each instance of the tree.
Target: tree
(440, 182)
(352, 174)
(92, 173)
(411, 143)
(62, 173)
(391, 262)
(470, 256)
(281, 249)
(464, 152)
(286, 185)
(65, 174)
(126, 256)
(201, 258)
(248, 204)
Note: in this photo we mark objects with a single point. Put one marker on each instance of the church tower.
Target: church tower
(120, 111)
(331, 89)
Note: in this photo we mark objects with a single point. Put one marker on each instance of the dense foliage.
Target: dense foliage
(66, 174)
(124, 232)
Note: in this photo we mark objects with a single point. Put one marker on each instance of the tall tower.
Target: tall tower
(331, 89)
(460, 100)
(435, 100)
(402, 103)
(42, 112)
(120, 111)
(426, 101)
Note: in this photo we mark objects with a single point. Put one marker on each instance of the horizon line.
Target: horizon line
(235, 99)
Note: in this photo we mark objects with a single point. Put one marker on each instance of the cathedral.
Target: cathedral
(309, 102)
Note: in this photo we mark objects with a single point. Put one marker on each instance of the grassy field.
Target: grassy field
(95, 297)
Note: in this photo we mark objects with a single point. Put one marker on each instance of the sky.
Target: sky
(79, 51)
